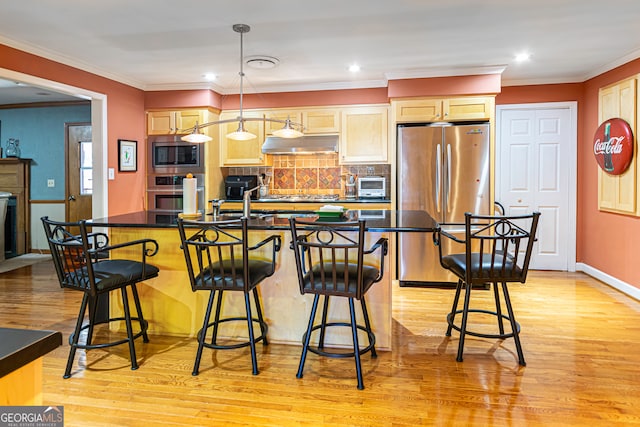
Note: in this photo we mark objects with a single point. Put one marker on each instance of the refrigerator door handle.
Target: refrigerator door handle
(448, 178)
(438, 175)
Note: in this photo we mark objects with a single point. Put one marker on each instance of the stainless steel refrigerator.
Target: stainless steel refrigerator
(443, 168)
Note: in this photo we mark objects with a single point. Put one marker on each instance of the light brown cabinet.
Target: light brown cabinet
(321, 121)
(618, 193)
(15, 177)
(448, 109)
(364, 135)
(239, 153)
(168, 122)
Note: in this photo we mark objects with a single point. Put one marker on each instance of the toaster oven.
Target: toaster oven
(372, 187)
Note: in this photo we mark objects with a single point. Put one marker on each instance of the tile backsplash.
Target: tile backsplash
(309, 174)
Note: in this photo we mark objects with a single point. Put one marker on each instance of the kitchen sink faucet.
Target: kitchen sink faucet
(246, 202)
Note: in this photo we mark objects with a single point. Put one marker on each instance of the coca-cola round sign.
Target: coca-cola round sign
(613, 146)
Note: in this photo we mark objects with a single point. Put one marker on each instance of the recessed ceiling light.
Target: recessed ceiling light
(521, 57)
(354, 68)
(210, 77)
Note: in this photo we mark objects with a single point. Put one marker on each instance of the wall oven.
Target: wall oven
(169, 155)
(164, 192)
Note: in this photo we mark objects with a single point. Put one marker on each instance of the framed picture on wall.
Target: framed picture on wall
(127, 155)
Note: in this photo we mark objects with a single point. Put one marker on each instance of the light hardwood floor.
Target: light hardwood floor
(580, 338)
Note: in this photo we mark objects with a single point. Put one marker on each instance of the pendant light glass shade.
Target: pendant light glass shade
(241, 134)
(196, 136)
(288, 131)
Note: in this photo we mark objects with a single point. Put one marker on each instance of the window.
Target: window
(86, 168)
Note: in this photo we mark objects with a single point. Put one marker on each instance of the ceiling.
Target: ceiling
(165, 45)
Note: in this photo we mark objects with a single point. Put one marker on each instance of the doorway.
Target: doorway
(536, 158)
(79, 171)
(100, 197)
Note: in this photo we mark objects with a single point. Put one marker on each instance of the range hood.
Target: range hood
(303, 145)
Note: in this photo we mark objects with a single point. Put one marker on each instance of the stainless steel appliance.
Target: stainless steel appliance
(443, 168)
(372, 187)
(236, 185)
(164, 192)
(169, 155)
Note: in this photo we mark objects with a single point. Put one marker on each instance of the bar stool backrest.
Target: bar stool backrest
(499, 248)
(216, 250)
(71, 252)
(328, 256)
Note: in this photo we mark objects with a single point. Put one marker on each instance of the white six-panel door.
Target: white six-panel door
(536, 171)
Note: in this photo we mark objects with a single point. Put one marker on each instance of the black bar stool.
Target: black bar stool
(218, 260)
(330, 262)
(82, 263)
(497, 251)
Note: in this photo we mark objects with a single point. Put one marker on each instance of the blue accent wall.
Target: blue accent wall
(41, 134)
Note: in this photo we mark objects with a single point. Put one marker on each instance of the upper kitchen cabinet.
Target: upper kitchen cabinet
(168, 122)
(321, 121)
(449, 109)
(241, 153)
(618, 193)
(270, 127)
(364, 135)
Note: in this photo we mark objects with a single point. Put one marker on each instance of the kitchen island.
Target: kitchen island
(173, 309)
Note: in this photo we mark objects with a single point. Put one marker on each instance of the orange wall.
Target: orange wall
(540, 93)
(125, 115)
(445, 86)
(208, 98)
(182, 99)
(605, 241)
(609, 242)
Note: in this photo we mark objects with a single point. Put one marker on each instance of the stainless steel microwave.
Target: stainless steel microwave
(374, 187)
(168, 154)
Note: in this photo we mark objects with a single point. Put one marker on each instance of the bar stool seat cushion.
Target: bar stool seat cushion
(112, 274)
(490, 269)
(369, 276)
(258, 271)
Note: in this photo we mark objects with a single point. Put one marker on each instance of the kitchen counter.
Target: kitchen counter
(377, 220)
(21, 352)
(172, 308)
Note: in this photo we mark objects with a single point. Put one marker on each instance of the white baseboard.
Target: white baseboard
(623, 287)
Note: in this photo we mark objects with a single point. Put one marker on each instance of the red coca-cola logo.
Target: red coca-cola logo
(613, 146)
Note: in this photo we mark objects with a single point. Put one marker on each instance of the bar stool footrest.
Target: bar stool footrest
(263, 327)
(450, 317)
(145, 326)
(317, 350)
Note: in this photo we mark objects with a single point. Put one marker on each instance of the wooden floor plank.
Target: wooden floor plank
(580, 339)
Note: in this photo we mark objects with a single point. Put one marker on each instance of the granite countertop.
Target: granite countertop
(378, 220)
(19, 347)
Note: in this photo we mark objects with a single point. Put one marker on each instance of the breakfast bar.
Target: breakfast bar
(173, 309)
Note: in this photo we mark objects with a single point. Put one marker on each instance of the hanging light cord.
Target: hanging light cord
(289, 130)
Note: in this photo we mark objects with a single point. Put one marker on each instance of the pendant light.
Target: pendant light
(289, 129)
